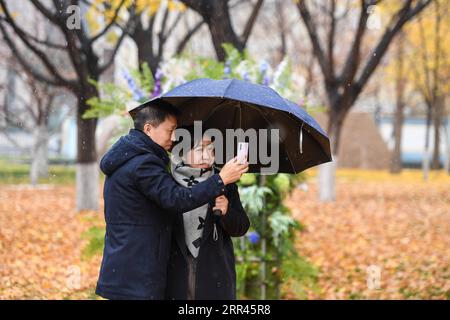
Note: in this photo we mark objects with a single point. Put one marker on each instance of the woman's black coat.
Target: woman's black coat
(216, 274)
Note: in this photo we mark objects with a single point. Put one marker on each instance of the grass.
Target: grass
(13, 171)
(96, 239)
(19, 173)
(371, 175)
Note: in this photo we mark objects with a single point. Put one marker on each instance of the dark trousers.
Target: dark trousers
(192, 272)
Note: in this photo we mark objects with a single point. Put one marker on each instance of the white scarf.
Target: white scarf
(194, 220)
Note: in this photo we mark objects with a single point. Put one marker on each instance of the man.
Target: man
(141, 199)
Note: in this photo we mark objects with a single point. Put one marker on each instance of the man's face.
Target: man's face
(164, 134)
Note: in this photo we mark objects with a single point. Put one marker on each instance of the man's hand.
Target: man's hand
(232, 171)
(221, 204)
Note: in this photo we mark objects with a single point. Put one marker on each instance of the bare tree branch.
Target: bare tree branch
(251, 21)
(424, 59)
(109, 25)
(161, 36)
(188, 36)
(25, 62)
(125, 32)
(39, 53)
(46, 12)
(331, 34)
(11, 139)
(353, 58)
(174, 24)
(318, 50)
(46, 43)
(218, 18)
(403, 15)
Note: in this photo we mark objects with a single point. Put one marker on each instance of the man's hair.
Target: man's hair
(154, 113)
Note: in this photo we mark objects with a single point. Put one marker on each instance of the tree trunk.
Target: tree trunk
(145, 54)
(396, 158)
(263, 266)
(39, 163)
(426, 155)
(437, 120)
(447, 145)
(282, 51)
(144, 43)
(216, 14)
(221, 29)
(327, 180)
(87, 175)
(327, 171)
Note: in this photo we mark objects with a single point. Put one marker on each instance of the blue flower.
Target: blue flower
(254, 237)
(157, 88)
(227, 69)
(263, 66)
(158, 74)
(245, 76)
(135, 90)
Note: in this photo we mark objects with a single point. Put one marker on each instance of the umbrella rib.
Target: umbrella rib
(263, 115)
(214, 108)
(289, 115)
(226, 89)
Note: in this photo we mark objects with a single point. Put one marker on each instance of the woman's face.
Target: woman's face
(202, 155)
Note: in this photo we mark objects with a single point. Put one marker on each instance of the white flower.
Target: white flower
(245, 71)
(175, 71)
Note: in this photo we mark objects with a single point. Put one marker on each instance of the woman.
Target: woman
(202, 263)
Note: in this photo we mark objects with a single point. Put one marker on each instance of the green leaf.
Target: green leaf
(113, 100)
(280, 224)
(252, 198)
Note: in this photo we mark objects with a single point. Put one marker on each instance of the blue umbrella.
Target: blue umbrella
(236, 104)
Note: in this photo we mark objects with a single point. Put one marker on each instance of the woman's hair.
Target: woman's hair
(194, 140)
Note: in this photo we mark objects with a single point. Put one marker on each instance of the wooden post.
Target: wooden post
(262, 182)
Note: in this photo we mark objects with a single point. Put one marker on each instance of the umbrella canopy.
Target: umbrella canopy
(235, 104)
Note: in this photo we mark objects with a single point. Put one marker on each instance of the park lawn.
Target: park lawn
(17, 173)
(366, 175)
(397, 223)
(13, 172)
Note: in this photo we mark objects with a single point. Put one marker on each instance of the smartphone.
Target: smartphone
(242, 152)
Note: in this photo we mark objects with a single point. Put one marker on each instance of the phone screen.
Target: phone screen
(242, 152)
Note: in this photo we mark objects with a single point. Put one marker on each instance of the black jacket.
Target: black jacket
(141, 200)
(216, 274)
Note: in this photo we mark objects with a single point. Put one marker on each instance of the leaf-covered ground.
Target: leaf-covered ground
(399, 224)
(42, 244)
